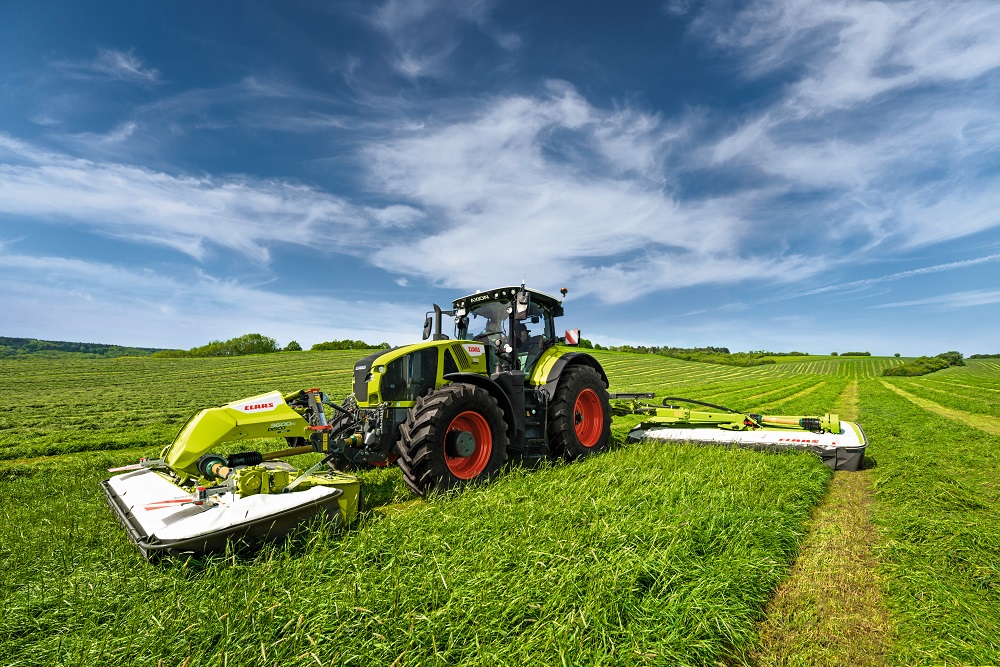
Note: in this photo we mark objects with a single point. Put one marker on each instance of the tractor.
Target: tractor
(453, 410)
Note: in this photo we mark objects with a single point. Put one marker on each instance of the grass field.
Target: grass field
(649, 554)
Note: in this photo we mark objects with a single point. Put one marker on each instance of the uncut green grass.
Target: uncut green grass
(649, 554)
(646, 555)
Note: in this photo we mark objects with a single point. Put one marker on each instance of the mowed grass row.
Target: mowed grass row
(966, 399)
(989, 368)
(974, 388)
(854, 367)
(648, 554)
(976, 373)
(938, 515)
(61, 406)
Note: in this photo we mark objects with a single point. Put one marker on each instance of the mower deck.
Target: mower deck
(841, 451)
(159, 519)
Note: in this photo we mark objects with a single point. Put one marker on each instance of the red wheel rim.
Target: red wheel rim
(588, 417)
(467, 467)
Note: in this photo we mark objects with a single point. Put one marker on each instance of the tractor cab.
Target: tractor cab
(514, 324)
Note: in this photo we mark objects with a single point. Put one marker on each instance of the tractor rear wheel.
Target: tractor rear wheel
(580, 414)
(452, 436)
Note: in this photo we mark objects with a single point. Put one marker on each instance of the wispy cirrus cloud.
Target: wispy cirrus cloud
(111, 64)
(850, 157)
(191, 214)
(425, 33)
(964, 299)
(861, 286)
(852, 51)
(571, 188)
(886, 131)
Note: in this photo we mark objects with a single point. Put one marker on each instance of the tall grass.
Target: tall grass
(650, 554)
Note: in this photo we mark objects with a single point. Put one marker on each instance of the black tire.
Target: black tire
(579, 415)
(430, 458)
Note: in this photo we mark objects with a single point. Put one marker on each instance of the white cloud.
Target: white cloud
(917, 177)
(93, 142)
(425, 33)
(188, 213)
(854, 50)
(94, 301)
(887, 135)
(565, 191)
(857, 286)
(111, 64)
(122, 65)
(966, 299)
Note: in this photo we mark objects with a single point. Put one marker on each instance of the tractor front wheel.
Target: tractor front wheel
(453, 436)
(580, 414)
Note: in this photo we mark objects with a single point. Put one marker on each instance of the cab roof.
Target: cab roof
(506, 294)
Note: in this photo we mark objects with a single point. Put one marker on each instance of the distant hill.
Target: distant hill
(20, 347)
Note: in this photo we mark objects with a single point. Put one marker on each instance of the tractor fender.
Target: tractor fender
(514, 419)
(564, 362)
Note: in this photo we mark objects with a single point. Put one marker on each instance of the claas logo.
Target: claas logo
(249, 407)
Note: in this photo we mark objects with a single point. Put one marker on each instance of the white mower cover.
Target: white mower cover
(840, 451)
(190, 528)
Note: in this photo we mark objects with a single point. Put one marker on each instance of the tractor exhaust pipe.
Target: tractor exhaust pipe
(436, 321)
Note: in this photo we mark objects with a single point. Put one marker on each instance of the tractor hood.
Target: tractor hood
(398, 376)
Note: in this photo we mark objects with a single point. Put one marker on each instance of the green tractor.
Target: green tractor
(448, 411)
(504, 387)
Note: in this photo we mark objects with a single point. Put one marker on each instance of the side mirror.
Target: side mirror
(572, 336)
(521, 307)
(428, 323)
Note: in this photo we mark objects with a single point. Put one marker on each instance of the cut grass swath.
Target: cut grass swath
(938, 513)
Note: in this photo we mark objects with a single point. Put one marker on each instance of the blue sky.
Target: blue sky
(778, 174)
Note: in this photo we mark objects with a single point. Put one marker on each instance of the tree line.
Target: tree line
(18, 347)
(925, 365)
(712, 355)
(255, 343)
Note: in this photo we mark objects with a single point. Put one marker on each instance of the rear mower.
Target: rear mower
(840, 444)
(447, 411)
